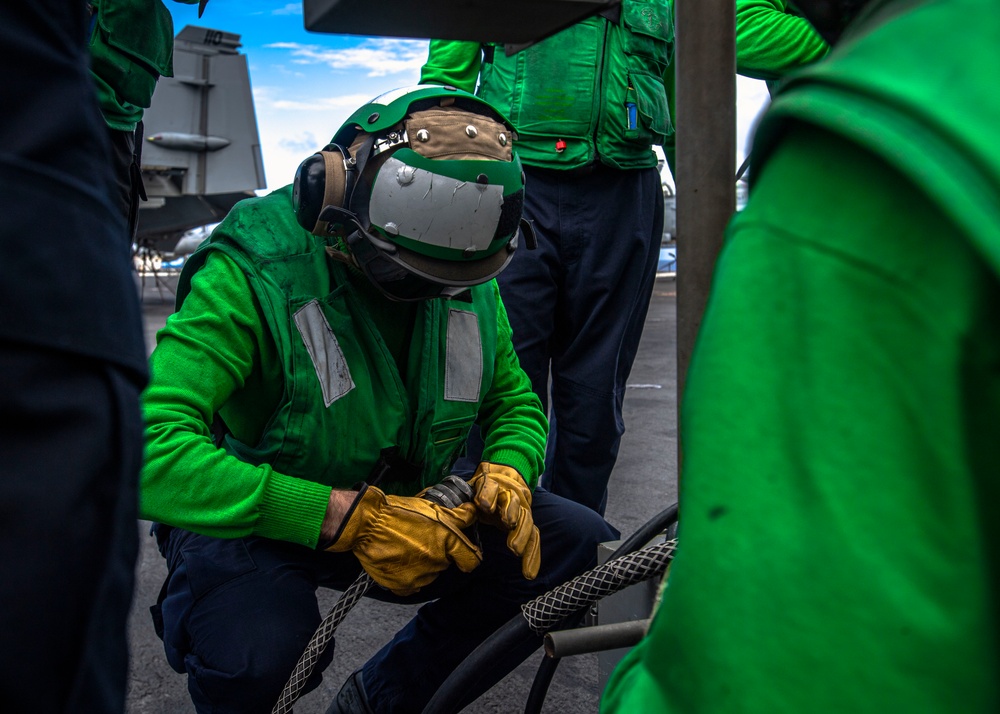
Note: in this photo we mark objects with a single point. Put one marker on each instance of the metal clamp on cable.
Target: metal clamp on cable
(453, 491)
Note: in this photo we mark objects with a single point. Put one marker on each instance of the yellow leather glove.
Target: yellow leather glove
(404, 543)
(504, 500)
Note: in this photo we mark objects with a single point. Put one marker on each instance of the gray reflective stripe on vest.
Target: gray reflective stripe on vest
(463, 365)
(324, 350)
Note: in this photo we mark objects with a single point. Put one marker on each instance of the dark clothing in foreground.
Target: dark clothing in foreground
(70, 437)
(72, 363)
(65, 282)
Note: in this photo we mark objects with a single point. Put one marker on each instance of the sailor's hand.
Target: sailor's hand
(404, 543)
(504, 500)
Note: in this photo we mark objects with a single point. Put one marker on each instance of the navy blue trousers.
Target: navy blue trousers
(238, 613)
(71, 446)
(577, 305)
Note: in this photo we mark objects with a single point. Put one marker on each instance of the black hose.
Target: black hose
(455, 693)
(545, 673)
(547, 667)
(647, 531)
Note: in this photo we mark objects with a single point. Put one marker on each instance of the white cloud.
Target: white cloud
(319, 104)
(277, 98)
(281, 69)
(292, 8)
(304, 144)
(377, 57)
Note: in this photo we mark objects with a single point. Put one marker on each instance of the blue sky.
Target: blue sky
(305, 84)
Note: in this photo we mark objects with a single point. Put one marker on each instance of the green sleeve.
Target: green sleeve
(830, 489)
(209, 351)
(126, 69)
(771, 42)
(452, 62)
(513, 424)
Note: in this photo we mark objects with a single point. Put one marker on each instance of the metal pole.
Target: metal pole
(599, 638)
(706, 155)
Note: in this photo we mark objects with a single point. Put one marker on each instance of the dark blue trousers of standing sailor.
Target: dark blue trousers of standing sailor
(238, 613)
(577, 305)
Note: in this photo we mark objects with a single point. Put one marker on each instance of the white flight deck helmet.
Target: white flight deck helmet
(424, 187)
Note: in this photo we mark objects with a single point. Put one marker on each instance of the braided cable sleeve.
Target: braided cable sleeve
(659, 523)
(544, 612)
(548, 610)
(320, 639)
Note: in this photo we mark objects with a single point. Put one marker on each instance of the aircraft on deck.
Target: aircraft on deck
(201, 148)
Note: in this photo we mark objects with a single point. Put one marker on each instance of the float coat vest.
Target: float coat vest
(596, 87)
(926, 124)
(344, 400)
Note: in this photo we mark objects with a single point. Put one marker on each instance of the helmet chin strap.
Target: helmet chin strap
(347, 258)
(361, 186)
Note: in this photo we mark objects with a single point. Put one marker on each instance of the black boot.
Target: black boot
(351, 698)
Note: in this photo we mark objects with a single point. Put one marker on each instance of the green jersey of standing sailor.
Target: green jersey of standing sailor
(839, 546)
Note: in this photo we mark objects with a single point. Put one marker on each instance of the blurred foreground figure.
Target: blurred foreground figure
(839, 546)
(72, 363)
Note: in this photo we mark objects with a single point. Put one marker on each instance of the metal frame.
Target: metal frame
(706, 155)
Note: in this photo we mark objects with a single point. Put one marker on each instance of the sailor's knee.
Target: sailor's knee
(249, 682)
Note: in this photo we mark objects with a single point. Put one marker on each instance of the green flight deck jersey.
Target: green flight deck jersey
(609, 103)
(316, 374)
(839, 547)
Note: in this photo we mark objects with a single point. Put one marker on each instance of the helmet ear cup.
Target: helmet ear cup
(320, 181)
